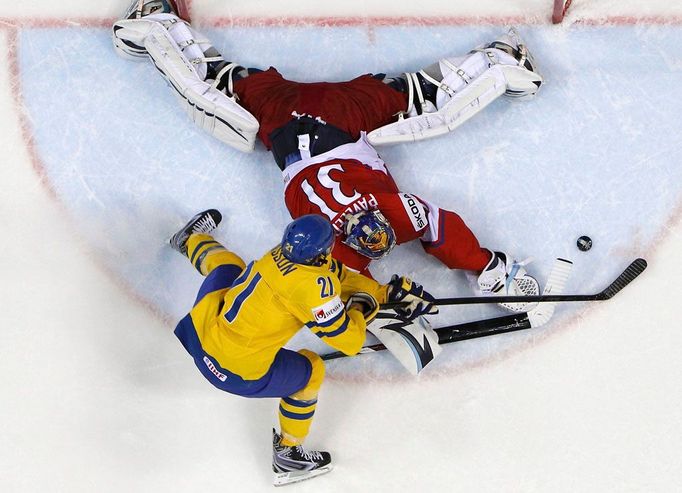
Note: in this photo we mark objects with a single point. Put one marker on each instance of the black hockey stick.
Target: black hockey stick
(626, 277)
(460, 332)
(482, 328)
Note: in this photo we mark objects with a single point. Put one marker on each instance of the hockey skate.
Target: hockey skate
(524, 80)
(202, 223)
(505, 277)
(132, 47)
(293, 464)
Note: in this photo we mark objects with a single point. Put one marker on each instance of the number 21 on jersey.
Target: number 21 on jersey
(326, 286)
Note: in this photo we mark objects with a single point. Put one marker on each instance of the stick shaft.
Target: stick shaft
(461, 332)
(626, 277)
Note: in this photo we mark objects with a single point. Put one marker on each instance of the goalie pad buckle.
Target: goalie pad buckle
(414, 343)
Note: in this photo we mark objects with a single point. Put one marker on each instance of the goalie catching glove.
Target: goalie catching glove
(417, 300)
(365, 303)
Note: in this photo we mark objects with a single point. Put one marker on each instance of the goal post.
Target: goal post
(560, 8)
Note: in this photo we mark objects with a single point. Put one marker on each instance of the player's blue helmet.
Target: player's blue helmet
(308, 240)
(369, 233)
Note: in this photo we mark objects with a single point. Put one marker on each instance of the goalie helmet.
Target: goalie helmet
(308, 240)
(369, 233)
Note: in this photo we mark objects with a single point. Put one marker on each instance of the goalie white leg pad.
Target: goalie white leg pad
(468, 84)
(414, 343)
(459, 108)
(211, 109)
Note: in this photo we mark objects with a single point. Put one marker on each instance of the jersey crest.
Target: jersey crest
(328, 311)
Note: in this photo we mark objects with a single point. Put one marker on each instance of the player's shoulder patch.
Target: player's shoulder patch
(328, 311)
(415, 210)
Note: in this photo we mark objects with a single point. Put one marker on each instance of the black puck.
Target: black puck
(584, 243)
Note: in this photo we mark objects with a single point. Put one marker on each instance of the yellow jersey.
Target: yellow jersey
(271, 300)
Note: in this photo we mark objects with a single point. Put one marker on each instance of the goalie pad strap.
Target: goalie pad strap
(226, 72)
(413, 80)
(410, 93)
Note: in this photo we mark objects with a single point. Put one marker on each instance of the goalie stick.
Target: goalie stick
(633, 270)
(536, 317)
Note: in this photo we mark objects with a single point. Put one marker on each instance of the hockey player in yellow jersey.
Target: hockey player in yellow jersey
(244, 315)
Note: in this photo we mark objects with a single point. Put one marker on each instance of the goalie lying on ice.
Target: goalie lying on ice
(322, 135)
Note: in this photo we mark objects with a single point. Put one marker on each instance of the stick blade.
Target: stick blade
(629, 274)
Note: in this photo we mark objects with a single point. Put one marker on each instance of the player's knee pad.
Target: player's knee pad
(459, 101)
(210, 108)
(312, 388)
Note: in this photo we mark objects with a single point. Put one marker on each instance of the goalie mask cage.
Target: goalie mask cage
(560, 8)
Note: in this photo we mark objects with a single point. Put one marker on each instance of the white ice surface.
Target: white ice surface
(98, 396)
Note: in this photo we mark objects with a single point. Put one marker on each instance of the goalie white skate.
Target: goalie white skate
(134, 49)
(505, 277)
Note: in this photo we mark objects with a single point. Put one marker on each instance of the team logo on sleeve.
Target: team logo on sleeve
(415, 211)
(221, 376)
(328, 311)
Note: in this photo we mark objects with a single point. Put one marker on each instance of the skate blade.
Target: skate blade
(284, 478)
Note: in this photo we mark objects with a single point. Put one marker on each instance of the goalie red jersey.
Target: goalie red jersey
(352, 178)
(316, 133)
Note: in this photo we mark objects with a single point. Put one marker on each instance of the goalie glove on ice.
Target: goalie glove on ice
(418, 300)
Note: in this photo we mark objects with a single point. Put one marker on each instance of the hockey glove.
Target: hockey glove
(417, 300)
(365, 303)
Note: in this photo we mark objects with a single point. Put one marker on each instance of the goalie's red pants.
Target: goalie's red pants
(362, 104)
(455, 245)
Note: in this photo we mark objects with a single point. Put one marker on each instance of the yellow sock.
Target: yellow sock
(295, 418)
(296, 411)
(206, 254)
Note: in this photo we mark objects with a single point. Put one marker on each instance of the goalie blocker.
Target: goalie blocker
(413, 343)
(182, 56)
